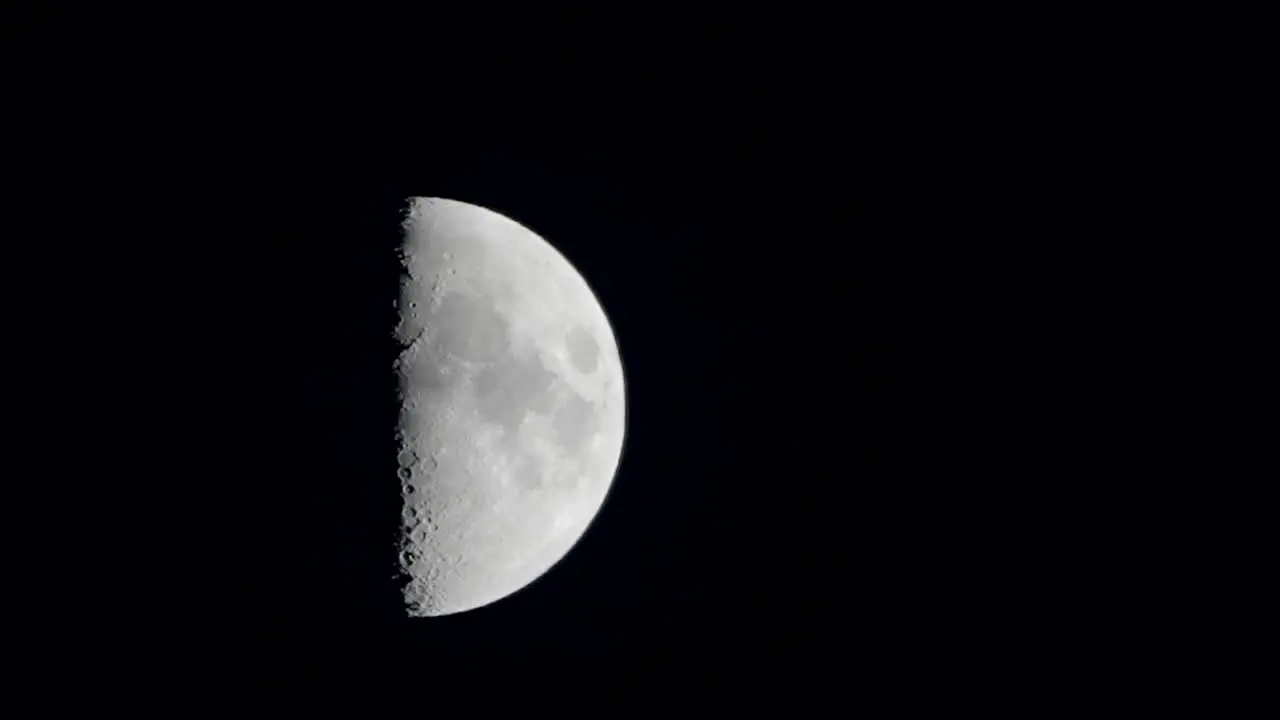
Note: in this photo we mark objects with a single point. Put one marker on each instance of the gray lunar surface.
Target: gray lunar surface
(512, 406)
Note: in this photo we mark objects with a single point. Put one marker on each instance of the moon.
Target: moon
(512, 406)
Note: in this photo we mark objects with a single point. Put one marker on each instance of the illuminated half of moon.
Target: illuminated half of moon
(512, 406)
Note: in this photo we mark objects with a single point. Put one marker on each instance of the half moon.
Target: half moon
(512, 406)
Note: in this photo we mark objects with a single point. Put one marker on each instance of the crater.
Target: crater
(407, 457)
(584, 351)
(469, 327)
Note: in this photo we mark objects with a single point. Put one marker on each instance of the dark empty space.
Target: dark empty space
(771, 218)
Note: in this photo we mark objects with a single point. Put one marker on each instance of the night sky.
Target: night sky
(779, 218)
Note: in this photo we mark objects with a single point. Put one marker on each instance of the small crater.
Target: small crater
(407, 457)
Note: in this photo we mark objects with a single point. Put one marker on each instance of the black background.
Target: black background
(784, 221)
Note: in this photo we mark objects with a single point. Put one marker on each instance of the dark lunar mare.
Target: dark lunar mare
(509, 388)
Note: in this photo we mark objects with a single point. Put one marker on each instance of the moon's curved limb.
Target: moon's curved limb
(513, 406)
